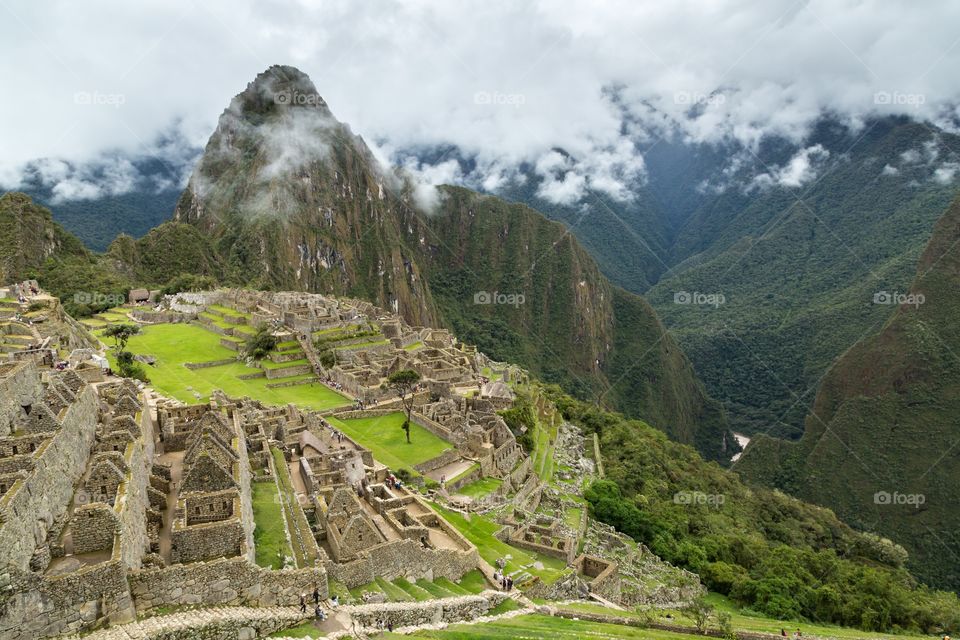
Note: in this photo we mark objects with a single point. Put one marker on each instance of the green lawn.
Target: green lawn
(174, 344)
(385, 438)
(541, 626)
(479, 530)
(480, 488)
(268, 534)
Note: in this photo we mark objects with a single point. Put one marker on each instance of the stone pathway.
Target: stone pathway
(244, 619)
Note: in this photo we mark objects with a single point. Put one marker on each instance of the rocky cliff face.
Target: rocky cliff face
(880, 444)
(292, 199)
(28, 236)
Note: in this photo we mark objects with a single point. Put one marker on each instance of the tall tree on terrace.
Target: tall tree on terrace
(404, 383)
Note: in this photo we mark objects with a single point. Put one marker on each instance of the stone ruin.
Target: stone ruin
(102, 517)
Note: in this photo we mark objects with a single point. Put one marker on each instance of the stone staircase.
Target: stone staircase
(245, 622)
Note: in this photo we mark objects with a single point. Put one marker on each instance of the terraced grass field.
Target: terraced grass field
(174, 344)
(541, 626)
(386, 439)
(268, 534)
(479, 530)
(480, 488)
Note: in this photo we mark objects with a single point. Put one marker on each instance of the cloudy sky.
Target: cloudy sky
(505, 81)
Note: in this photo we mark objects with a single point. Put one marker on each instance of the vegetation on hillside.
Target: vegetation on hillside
(769, 552)
(879, 444)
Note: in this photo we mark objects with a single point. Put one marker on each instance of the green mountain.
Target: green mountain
(769, 552)
(28, 236)
(880, 445)
(291, 199)
(796, 237)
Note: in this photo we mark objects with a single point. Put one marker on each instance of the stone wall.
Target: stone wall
(27, 513)
(445, 610)
(232, 581)
(134, 499)
(16, 381)
(404, 558)
(447, 457)
(93, 527)
(207, 541)
(42, 606)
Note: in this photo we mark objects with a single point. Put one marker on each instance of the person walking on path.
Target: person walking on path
(303, 603)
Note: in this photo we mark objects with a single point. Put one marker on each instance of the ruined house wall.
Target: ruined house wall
(207, 541)
(19, 380)
(26, 514)
(134, 499)
(246, 500)
(93, 528)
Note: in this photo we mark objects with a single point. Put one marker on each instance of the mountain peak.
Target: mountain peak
(279, 89)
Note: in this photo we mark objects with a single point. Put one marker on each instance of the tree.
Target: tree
(260, 344)
(699, 611)
(121, 334)
(403, 384)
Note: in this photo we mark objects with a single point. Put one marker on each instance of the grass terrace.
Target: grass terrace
(479, 530)
(540, 626)
(269, 537)
(387, 441)
(174, 344)
(480, 488)
(304, 547)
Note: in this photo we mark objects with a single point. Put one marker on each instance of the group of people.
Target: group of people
(505, 581)
(318, 611)
(394, 482)
(330, 382)
(335, 433)
(796, 634)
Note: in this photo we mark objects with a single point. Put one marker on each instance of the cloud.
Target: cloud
(799, 170)
(946, 172)
(504, 82)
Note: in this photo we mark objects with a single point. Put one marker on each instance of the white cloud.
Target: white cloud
(411, 73)
(799, 170)
(946, 172)
(889, 170)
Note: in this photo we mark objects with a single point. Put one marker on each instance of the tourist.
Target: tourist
(503, 583)
(318, 612)
(303, 603)
(798, 635)
(316, 595)
(783, 632)
(509, 584)
(390, 627)
(335, 600)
